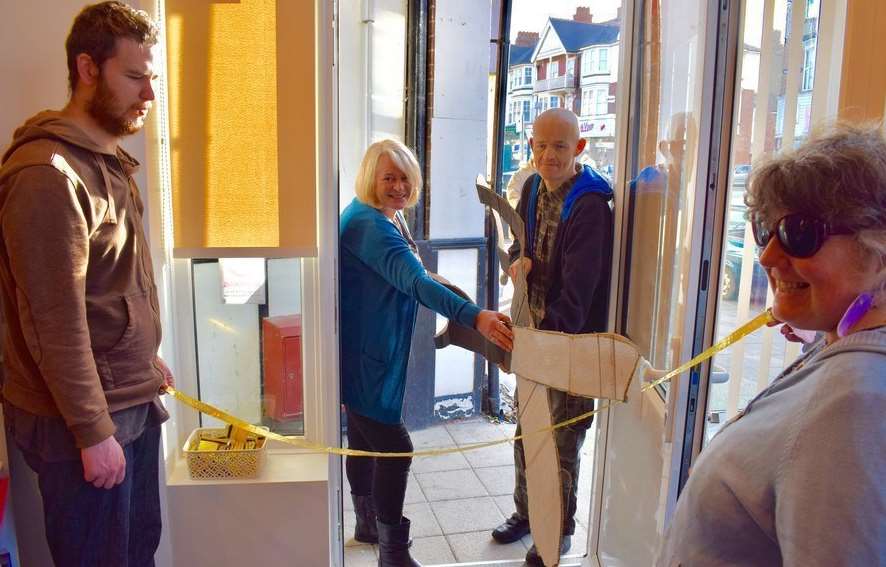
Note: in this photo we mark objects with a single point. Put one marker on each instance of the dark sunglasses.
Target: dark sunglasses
(800, 236)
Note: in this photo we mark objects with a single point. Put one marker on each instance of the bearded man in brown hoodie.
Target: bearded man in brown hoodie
(82, 376)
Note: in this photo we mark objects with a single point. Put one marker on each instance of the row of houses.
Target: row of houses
(574, 64)
(571, 64)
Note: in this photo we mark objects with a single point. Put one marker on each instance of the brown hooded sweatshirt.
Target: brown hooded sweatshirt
(79, 300)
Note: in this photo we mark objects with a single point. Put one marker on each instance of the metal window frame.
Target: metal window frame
(416, 102)
(722, 50)
(491, 393)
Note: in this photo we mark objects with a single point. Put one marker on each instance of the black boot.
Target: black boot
(366, 530)
(393, 545)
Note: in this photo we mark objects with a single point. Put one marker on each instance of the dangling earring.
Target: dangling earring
(857, 309)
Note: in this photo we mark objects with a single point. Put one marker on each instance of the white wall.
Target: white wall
(454, 367)
(372, 74)
(228, 342)
(228, 356)
(458, 126)
(32, 59)
(284, 286)
(33, 65)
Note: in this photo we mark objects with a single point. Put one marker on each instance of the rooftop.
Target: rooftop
(520, 55)
(576, 35)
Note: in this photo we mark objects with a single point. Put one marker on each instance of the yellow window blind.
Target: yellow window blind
(242, 127)
(863, 82)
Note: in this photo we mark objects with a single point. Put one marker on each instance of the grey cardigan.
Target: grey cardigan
(800, 478)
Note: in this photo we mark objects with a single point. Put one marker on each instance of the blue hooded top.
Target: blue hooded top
(577, 297)
(589, 181)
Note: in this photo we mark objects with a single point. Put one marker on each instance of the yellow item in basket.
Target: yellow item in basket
(238, 438)
(209, 445)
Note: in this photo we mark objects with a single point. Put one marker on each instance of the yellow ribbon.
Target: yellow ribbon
(746, 329)
(763, 318)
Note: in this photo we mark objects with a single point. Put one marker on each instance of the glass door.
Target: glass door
(779, 97)
(717, 87)
(664, 201)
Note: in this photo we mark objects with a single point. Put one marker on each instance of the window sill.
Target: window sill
(279, 467)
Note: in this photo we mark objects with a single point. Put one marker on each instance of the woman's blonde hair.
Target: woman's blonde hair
(402, 157)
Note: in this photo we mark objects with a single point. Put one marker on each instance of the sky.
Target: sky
(531, 15)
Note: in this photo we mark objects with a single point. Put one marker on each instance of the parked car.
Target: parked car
(740, 174)
(732, 267)
(735, 225)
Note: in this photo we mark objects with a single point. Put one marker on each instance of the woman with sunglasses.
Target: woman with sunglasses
(799, 477)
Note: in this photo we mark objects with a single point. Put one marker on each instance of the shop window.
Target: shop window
(586, 101)
(249, 336)
(603, 60)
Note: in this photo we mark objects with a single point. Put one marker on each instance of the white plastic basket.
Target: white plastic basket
(229, 463)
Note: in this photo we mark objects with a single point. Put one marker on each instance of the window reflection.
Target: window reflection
(662, 198)
(248, 330)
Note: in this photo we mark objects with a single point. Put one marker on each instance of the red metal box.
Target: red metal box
(283, 384)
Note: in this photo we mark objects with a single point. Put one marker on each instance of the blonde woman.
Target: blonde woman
(382, 283)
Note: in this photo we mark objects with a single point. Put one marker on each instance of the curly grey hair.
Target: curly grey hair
(838, 176)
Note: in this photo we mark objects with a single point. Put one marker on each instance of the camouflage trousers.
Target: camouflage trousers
(569, 440)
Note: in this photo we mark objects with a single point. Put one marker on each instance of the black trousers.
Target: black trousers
(96, 527)
(383, 478)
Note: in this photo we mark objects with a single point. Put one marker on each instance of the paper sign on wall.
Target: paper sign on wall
(243, 280)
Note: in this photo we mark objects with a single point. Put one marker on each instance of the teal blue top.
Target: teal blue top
(381, 284)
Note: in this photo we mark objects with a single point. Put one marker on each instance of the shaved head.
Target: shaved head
(564, 121)
(556, 142)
